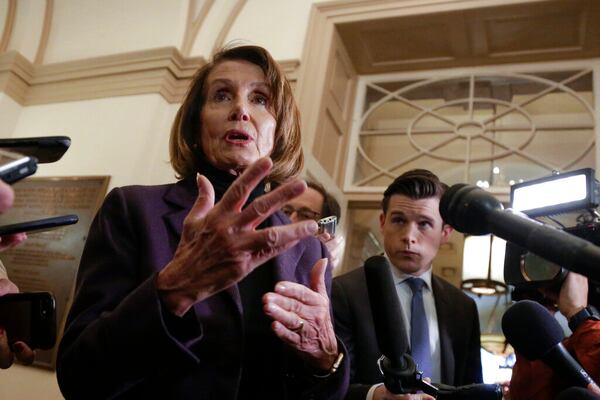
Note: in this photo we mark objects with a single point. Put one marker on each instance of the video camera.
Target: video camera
(565, 201)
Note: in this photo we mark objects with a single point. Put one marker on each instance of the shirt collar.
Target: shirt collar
(400, 276)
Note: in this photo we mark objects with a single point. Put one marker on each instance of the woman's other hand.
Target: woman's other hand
(301, 318)
(220, 245)
(19, 349)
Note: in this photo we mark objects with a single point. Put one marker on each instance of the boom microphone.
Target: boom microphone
(534, 333)
(471, 210)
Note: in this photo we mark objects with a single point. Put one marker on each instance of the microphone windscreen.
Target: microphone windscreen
(385, 307)
(531, 329)
(448, 203)
(466, 208)
(577, 393)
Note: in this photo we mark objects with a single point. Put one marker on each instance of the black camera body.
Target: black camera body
(569, 206)
(527, 271)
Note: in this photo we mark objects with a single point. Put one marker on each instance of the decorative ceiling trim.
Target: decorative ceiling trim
(47, 24)
(15, 74)
(163, 71)
(233, 14)
(193, 24)
(9, 23)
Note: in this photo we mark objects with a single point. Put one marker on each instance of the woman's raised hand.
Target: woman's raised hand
(220, 244)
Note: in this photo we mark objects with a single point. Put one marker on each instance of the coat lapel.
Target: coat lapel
(180, 198)
(285, 263)
(447, 354)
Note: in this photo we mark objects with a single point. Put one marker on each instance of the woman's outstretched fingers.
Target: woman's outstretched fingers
(205, 200)
(262, 207)
(237, 194)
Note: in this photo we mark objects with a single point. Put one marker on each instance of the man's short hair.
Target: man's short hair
(330, 204)
(415, 184)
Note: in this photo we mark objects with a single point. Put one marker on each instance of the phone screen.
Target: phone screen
(30, 318)
(15, 318)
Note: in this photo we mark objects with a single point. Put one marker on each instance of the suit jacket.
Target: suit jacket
(120, 342)
(458, 324)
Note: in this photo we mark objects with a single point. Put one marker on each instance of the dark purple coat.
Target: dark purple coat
(119, 340)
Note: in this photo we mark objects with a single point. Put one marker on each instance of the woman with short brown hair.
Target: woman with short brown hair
(202, 289)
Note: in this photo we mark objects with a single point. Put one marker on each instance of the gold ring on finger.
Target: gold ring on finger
(299, 327)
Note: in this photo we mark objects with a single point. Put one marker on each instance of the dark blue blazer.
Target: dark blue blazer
(120, 342)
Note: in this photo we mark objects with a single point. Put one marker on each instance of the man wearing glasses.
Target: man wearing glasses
(316, 203)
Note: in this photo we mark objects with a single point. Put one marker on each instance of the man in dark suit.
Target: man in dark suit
(413, 232)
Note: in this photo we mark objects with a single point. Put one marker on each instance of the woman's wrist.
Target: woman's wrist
(333, 367)
(174, 298)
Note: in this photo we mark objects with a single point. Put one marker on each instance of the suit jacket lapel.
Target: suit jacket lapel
(444, 319)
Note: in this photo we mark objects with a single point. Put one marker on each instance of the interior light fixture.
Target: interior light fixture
(560, 193)
(483, 265)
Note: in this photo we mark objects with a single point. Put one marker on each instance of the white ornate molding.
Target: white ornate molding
(163, 70)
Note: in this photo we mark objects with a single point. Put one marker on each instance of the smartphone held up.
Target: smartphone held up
(29, 318)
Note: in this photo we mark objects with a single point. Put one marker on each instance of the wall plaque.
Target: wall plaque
(48, 261)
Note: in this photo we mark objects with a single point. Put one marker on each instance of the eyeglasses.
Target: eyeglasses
(303, 213)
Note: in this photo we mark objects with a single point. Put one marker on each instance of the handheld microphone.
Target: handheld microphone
(534, 333)
(471, 210)
(398, 367)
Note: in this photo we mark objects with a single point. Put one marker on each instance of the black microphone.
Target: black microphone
(398, 367)
(534, 333)
(576, 393)
(471, 210)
